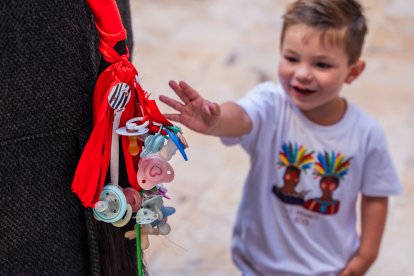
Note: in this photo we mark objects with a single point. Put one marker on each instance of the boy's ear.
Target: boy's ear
(356, 69)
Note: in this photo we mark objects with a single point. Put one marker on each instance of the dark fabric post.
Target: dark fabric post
(49, 65)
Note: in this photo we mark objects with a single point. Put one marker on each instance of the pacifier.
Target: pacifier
(152, 144)
(178, 142)
(163, 228)
(166, 212)
(161, 190)
(155, 203)
(133, 198)
(167, 152)
(119, 96)
(146, 216)
(125, 219)
(134, 130)
(153, 170)
(112, 204)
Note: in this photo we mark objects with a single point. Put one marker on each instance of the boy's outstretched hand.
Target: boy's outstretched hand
(195, 112)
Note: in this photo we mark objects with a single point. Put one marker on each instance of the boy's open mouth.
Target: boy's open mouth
(303, 91)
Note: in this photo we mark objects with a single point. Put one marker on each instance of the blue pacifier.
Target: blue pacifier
(152, 144)
(166, 212)
(177, 142)
(112, 204)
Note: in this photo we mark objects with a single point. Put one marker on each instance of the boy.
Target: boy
(312, 152)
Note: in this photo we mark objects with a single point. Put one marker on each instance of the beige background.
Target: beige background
(223, 48)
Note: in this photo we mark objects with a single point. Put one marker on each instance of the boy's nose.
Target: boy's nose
(304, 73)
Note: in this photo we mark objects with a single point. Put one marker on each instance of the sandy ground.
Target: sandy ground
(223, 48)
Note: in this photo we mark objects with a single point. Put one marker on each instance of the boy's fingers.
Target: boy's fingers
(171, 103)
(179, 91)
(214, 109)
(206, 110)
(173, 117)
(190, 92)
(174, 85)
(211, 109)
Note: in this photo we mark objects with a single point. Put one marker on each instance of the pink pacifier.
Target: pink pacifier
(133, 198)
(152, 170)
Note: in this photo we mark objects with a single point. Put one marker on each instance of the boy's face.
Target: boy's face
(312, 73)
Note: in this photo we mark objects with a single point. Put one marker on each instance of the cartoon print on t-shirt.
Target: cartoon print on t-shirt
(331, 169)
(295, 158)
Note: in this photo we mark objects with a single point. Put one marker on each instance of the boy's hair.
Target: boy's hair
(341, 22)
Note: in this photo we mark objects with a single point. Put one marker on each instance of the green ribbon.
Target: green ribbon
(139, 250)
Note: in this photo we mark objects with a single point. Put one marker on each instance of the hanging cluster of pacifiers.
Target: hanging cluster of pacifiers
(119, 205)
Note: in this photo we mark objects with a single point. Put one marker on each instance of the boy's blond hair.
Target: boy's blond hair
(341, 22)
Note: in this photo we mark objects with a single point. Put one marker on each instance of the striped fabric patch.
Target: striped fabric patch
(119, 96)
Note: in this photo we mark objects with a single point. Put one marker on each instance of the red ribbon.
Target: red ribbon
(107, 18)
(93, 165)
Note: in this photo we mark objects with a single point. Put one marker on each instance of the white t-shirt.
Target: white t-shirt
(304, 233)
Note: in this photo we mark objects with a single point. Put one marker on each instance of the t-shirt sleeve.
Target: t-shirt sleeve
(261, 105)
(379, 175)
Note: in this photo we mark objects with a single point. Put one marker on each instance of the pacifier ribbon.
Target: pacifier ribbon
(93, 165)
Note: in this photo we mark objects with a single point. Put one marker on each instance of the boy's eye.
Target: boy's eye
(323, 65)
(291, 59)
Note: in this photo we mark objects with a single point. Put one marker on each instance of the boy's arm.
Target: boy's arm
(203, 116)
(373, 217)
(233, 121)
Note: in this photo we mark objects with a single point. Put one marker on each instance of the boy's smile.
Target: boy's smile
(312, 72)
(303, 91)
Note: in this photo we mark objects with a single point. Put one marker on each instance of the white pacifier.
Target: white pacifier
(134, 130)
(168, 151)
